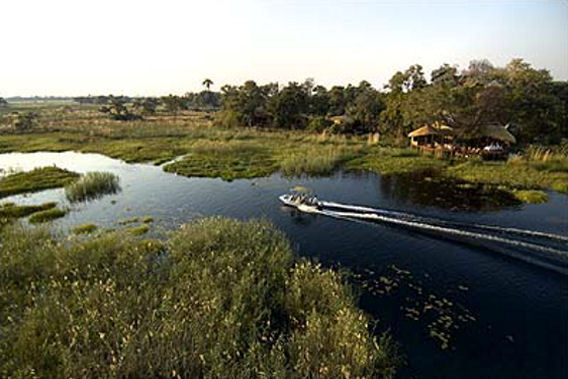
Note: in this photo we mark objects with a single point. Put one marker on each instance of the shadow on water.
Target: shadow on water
(430, 188)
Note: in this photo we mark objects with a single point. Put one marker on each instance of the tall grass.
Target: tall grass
(535, 153)
(314, 160)
(219, 298)
(92, 185)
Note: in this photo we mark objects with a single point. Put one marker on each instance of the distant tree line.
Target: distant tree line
(535, 106)
(127, 108)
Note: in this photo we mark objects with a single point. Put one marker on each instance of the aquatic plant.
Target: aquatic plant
(92, 185)
(47, 215)
(84, 229)
(226, 160)
(126, 221)
(219, 298)
(531, 196)
(10, 211)
(139, 230)
(35, 180)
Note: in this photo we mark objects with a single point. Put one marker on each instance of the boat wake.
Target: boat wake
(543, 249)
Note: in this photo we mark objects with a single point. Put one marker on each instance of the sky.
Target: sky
(148, 48)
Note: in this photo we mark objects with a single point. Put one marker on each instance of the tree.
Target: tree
(3, 102)
(172, 103)
(146, 106)
(320, 101)
(445, 75)
(117, 109)
(337, 101)
(365, 109)
(23, 121)
(207, 83)
(289, 108)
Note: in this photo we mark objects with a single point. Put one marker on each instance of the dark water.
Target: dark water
(511, 316)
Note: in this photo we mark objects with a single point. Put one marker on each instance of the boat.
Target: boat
(302, 201)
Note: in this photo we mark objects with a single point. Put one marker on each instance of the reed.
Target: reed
(314, 160)
(92, 185)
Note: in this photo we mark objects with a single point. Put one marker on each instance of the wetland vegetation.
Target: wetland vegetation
(228, 298)
(35, 180)
(92, 185)
(217, 298)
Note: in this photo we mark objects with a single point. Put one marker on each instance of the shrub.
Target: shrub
(318, 124)
(92, 185)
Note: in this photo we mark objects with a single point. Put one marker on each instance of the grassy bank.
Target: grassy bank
(211, 151)
(35, 180)
(219, 298)
(9, 212)
(521, 173)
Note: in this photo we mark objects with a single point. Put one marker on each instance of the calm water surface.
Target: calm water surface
(520, 311)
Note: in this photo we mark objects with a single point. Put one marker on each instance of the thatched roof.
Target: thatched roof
(445, 130)
(497, 132)
(426, 130)
(343, 119)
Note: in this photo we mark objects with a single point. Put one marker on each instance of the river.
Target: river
(460, 307)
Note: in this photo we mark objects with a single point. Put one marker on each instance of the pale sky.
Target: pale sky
(139, 47)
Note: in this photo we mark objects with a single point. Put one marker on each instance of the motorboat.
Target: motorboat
(301, 201)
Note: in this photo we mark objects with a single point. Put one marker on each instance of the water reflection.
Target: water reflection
(431, 189)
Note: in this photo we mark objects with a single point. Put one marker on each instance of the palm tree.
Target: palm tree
(207, 83)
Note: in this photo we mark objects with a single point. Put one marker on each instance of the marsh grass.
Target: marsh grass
(126, 221)
(219, 298)
(138, 230)
(227, 160)
(393, 161)
(35, 180)
(315, 160)
(84, 229)
(232, 153)
(10, 211)
(531, 196)
(92, 185)
(514, 175)
(47, 215)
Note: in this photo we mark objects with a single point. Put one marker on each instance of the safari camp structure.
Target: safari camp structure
(490, 141)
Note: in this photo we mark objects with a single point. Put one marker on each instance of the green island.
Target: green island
(35, 180)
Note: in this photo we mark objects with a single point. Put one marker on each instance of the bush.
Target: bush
(219, 298)
(318, 124)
